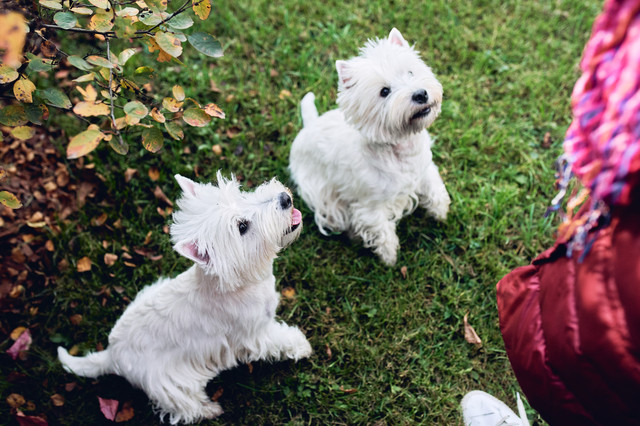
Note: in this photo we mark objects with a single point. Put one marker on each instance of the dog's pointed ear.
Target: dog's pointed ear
(396, 38)
(188, 186)
(189, 249)
(344, 72)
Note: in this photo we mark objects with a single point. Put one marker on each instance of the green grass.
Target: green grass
(507, 69)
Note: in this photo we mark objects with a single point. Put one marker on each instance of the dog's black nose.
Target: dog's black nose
(420, 97)
(285, 200)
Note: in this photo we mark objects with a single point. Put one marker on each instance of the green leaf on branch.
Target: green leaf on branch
(136, 109)
(171, 104)
(51, 4)
(10, 200)
(174, 130)
(13, 115)
(57, 98)
(206, 44)
(143, 74)
(84, 142)
(202, 8)
(37, 64)
(169, 43)
(127, 11)
(120, 148)
(80, 63)
(152, 19)
(7, 74)
(65, 20)
(158, 5)
(23, 133)
(124, 28)
(152, 139)
(180, 22)
(36, 112)
(196, 117)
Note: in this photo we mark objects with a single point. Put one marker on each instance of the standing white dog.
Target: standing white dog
(179, 333)
(364, 166)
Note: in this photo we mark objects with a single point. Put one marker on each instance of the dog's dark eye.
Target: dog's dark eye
(243, 227)
(385, 92)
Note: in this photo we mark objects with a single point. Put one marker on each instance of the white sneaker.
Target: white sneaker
(481, 409)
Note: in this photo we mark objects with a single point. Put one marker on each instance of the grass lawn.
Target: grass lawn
(388, 348)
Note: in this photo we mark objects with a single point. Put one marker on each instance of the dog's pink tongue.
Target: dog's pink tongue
(296, 217)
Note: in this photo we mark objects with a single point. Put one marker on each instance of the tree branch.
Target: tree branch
(113, 116)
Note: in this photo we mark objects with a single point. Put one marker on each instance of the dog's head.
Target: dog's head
(388, 92)
(233, 234)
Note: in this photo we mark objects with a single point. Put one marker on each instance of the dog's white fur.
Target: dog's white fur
(364, 166)
(179, 333)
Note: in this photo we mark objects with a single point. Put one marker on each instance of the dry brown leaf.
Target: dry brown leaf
(328, 350)
(49, 245)
(157, 192)
(403, 272)
(348, 391)
(217, 394)
(284, 93)
(15, 400)
(470, 334)
(289, 293)
(100, 220)
(217, 149)
(57, 400)
(128, 174)
(84, 264)
(154, 174)
(126, 412)
(147, 238)
(75, 319)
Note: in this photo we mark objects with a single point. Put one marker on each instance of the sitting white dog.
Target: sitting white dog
(364, 166)
(179, 333)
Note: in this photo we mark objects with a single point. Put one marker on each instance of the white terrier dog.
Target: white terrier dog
(179, 333)
(364, 166)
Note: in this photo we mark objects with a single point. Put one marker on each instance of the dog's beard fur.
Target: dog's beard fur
(362, 167)
(179, 333)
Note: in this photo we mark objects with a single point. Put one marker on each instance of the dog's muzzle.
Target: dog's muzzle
(422, 113)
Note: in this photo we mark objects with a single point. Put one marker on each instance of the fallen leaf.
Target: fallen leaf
(284, 93)
(84, 264)
(403, 272)
(328, 350)
(128, 174)
(57, 400)
(15, 334)
(68, 387)
(100, 220)
(30, 420)
(108, 407)
(289, 293)
(217, 394)
(217, 149)
(154, 174)
(126, 413)
(15, 400)
(147, 238)
(157, 192)
(348, 391)
(470, 334)
(75, 319)
(110, 259)
(22, 343)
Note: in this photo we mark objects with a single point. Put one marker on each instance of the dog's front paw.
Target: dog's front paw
(388, 252)
(301, 348)
(438, 206)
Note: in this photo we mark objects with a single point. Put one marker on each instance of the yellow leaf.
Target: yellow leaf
(214, 111)
(169, 43)
(23, 89)
(23, 132)
(178, 93)
(89, 94)
(202, 8)
(17, 332)
(102, 4)
(171, 104)
(84, 264)
(84, 142)
(289, 293)
(85, 78)
(91, 109)
(157, 115)
(102, 21)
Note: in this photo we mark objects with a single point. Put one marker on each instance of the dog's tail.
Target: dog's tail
(308, 109)
(93, 365)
